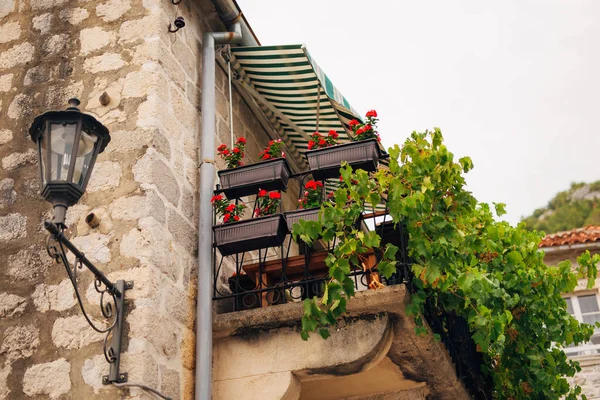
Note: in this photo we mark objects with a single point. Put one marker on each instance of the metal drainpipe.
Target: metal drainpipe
(207, 177)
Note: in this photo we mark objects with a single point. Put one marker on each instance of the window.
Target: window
(585, 308)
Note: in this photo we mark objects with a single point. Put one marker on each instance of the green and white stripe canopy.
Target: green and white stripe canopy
(295, 95)
(291, 85)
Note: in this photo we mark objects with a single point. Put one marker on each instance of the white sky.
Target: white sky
(513, 84)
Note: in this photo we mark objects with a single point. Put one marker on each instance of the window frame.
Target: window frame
(584, 349)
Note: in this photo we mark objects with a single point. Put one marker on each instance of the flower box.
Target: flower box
(325, 163)
(309, 214)
(243, 181)
(250, 234)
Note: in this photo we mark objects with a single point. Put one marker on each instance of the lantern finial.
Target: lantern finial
(73, 104)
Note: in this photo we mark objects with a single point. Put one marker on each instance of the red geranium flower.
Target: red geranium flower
(235, 217)
(274, 195)
(241, 140)
(333, 134)
(216, 198)
(236, 150)
(230, 207)
(262, 193)
(372, 114)
(311, 144)
(353, 123)
(226, 217)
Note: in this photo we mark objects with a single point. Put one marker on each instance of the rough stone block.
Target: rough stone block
(43, 379)
(74, 332)
(7, 192)
(5, 136)
(6, 82)
(158, 330)
(187, 205)
(29, 264)
(122, 141)
(74, 16)
(154, 50)
(55, 44)
(176, 304)
(37, 75)
(102, 63)
(112, 10)
(11, 305)
(10, 31)
(6, 7)
(42, 23)
(45, 4)
(140, 29)
(170, 382)
(105, 176)
(150, 170)
(75, 213)
(150, 243)
(5, 370)
(92, 371)
(146, 283)
(13, 226)
(95, 38)
(136, 207)
(20, 341)
(95, 246)
(20, 107)
(54, 297)
(182, 231)
(16, 160)
(150, 79)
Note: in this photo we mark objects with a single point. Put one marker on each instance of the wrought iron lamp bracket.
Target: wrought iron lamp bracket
(111, 308)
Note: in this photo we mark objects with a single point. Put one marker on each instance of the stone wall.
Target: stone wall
(143, 188)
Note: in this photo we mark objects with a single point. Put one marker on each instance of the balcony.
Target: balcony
(260, 288)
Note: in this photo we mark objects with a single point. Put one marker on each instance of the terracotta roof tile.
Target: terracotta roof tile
(587, 234)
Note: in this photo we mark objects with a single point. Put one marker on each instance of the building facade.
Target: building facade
(583, 304)
(143, 83)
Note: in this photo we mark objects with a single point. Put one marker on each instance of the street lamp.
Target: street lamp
(68, 144)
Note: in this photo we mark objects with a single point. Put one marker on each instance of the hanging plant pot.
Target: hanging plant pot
(250, 234)
(309, 214)
(246, 180)
(325, 163)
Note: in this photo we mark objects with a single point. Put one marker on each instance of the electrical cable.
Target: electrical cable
(143, 387)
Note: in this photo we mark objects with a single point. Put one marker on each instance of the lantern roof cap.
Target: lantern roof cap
(72, 112)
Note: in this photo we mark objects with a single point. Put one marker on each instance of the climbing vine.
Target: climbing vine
(464, 261)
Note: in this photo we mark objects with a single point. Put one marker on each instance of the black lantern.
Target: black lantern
(68, 143)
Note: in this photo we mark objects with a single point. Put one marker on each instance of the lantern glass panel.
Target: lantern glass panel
(62, 139)
(85, 153)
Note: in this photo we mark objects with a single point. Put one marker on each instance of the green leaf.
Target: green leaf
(371, 239)
(324, 333)
(387, 268)
(390, 251)
(500, 209)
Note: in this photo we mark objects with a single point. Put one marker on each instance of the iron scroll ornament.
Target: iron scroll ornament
(112, 298)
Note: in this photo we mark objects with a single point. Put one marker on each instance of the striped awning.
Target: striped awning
(294, 93)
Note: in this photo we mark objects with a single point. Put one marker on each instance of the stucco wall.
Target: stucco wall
(143, 188)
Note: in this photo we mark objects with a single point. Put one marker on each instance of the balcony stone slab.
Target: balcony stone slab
(374, 343)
